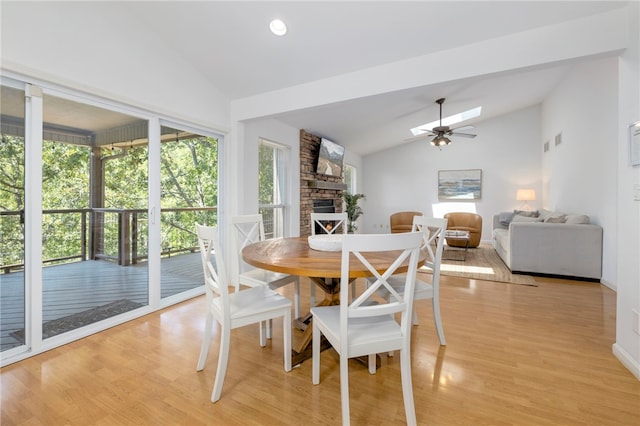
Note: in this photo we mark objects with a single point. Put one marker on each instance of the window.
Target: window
(349, 177)
(272, 180)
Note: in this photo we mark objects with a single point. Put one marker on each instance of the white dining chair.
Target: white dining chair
(249, 229)
(328, 222)
(323, 220)
(368, 326)
(232, 310)
(433, 243)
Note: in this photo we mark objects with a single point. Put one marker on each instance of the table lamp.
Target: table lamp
(526, 195)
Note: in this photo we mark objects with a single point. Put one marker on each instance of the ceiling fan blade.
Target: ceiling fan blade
(463, 128)
(417, 138)
(463, 135)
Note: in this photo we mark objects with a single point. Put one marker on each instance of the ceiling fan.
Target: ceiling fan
(441, 132)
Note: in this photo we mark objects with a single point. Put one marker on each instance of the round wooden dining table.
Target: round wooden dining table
(294, 256)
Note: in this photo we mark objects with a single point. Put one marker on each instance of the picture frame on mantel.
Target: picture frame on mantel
(460, 185)
(634, 143)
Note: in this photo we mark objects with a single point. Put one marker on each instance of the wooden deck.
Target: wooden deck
(76, 287)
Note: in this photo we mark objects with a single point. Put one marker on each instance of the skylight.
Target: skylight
(448, 121)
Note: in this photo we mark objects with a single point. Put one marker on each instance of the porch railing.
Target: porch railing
(118, 235)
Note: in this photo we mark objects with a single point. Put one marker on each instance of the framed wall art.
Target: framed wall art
(460, 185)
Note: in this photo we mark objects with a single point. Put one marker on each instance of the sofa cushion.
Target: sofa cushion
(527, 213)
(544, 213)
(577, 218)
(520, 218)
(556, 218)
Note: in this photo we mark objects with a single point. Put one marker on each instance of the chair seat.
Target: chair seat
(252, 301)
(423, 290)
(363, 333)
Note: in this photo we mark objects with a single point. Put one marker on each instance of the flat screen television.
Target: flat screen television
(330, 158)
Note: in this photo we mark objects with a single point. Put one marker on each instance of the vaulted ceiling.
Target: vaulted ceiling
(229, 43)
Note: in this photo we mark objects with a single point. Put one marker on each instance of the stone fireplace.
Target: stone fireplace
(325, 191)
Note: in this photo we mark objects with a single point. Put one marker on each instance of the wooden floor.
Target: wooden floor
(515, 355)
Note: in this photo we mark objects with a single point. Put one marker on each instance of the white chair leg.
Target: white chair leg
(263, 333)
(315, 355)
(372, 363)
(206, 342)
(415, 316)
(269, 327)
(407, 387)
(344, 388)
(438, 320)
(223, 359)
(286, 335)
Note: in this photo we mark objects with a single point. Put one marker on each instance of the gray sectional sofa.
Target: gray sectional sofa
(551, 243)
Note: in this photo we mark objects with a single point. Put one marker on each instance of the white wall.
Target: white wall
(89, 46)
(627, 345)
(507, 149)
(580, 173)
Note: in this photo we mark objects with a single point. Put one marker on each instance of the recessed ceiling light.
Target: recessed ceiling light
(278, 27)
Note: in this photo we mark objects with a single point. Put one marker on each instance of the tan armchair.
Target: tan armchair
(463, 221)
(402, 221)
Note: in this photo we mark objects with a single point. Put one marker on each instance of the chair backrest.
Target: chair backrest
(215, 278)
(244, 230)
(329, 222)
(467, 219)
(359, 248)
(402, 221)
(432, 241)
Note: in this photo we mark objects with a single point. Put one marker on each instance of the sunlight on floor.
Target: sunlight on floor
(469, 269)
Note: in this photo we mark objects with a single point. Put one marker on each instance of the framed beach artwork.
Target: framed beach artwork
(460, 185)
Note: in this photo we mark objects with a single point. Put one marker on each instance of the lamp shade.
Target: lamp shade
(526, 195)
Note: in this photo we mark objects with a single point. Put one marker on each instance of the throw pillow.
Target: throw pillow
(577, 219)
(520, 218)
(526, 213)
(505, 218)
(556, 218)
(544, 213)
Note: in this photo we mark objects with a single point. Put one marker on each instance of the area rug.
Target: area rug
(71, 322)
(481, 263)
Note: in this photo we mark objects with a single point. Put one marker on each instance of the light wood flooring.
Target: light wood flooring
(515, 355)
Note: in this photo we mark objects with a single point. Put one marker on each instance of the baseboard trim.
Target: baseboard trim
(626, 360)
(612, 286)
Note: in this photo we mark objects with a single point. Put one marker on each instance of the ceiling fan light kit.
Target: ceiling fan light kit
(440, 141)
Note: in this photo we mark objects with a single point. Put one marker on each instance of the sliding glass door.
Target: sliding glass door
(189, 195)
(98, 206)
(94, 214)
(12, 208)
